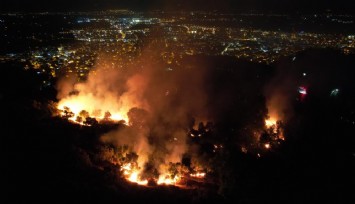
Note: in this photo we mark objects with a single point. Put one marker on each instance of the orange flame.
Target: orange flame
(132, 174)
(134, 178)
(270, 122)
(94, 107)
(198, 175)
(168, 179)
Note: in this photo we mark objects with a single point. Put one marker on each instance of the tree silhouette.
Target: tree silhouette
(90, 121)
(79, 119)
(107, 116)
(84, 114)
(137, 117)
(67, 113)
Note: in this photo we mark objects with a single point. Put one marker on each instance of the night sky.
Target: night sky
(234, 5)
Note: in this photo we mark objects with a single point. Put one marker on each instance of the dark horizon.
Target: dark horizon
(310, 6)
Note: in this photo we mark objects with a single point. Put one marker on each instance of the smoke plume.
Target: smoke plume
(281, 91)
(157, 103)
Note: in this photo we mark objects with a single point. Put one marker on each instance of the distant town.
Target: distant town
(59, 44)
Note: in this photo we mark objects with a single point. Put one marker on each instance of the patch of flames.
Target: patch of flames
(198, 175)
(132, 174)
(270, 122)
(78, 104)
(168, 179)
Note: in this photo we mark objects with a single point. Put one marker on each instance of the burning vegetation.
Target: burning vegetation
(163, 137)
(181, 130)
(102, 98)
(273, 135)
(151, 140)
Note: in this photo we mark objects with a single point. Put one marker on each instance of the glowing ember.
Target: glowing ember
(198, 175)
(267, 146)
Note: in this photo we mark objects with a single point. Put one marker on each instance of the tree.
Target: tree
(137, 117)
(186, 160)
(107, 116)
(84, 114)
(91, 121)
(79, 119)
(67, 113)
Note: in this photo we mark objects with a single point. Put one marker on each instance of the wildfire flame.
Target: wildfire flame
(198, 175)
(270, 122)
(102, 96)
(168, 180)
(134, 178)
(112, 95)
(93, 110)
(132, 174)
